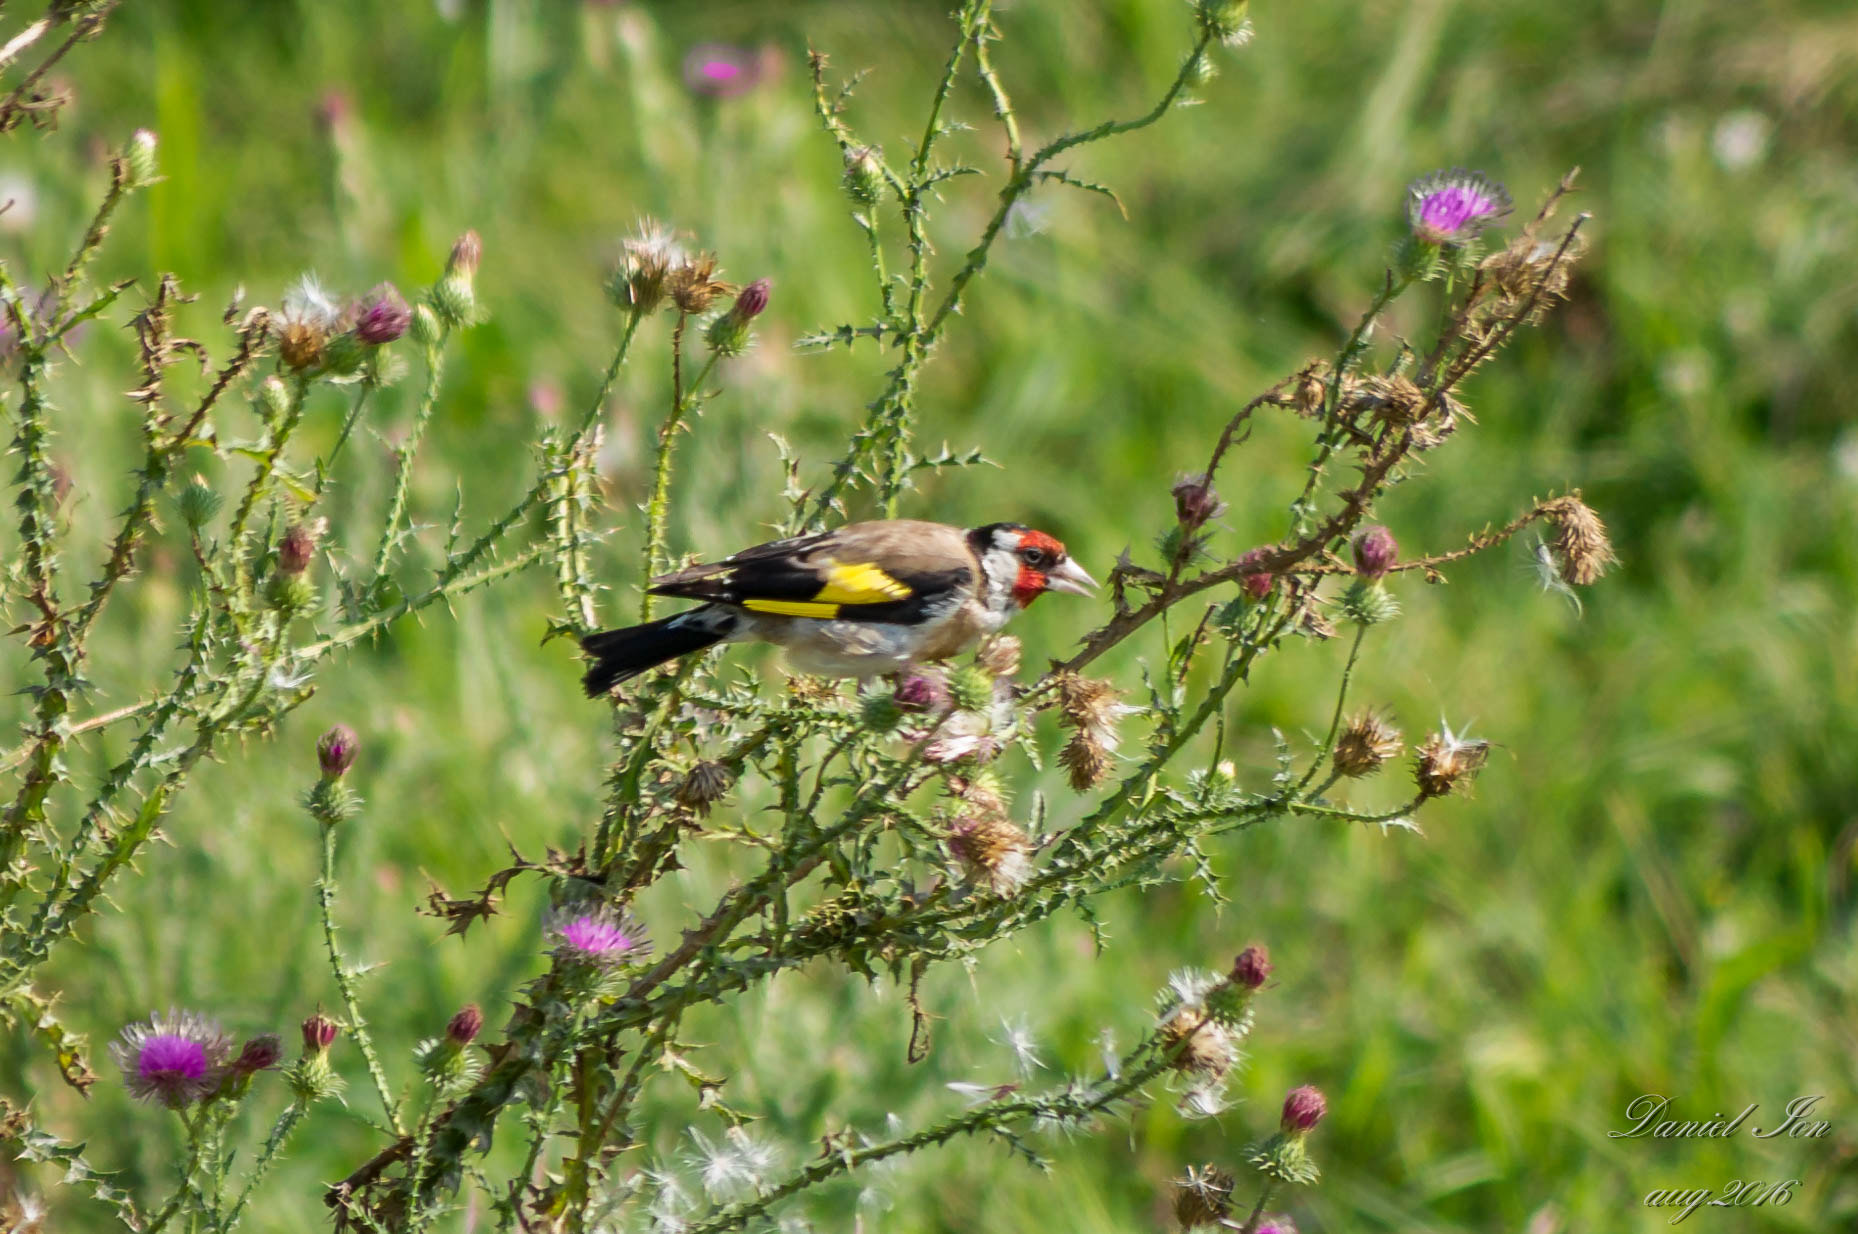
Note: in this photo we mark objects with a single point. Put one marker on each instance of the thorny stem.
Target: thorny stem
(1264, 1197)
(344, 981)
(267, 1156)
(1335, 721)
(658, 514)
(409, 449)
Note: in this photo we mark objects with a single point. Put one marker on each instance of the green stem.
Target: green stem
(1335, 721)
(403, 475)
(325, 895)
(658, 514)
(280, 1132)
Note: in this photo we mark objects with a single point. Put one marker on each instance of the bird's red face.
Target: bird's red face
(1029, 564)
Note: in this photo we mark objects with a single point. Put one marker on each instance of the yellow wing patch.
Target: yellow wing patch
(860, 584)
(792, 608)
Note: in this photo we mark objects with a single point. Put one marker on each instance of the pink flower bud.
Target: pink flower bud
(465, 1026)
(336, 751)
(1304, 1107)
(383, 317)
(1252, 967)
(319, 1033)
(1375, 552)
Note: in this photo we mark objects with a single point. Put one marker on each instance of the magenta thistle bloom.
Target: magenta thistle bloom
(336, 750)
(176, 1059)
(719, 70)
(1304, 1107)
(383, 316)
(1253, 967)
(1376, 552)
(920, 692)
(597, 934)
(1450, 207)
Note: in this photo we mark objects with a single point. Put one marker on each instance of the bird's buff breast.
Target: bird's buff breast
(872, 649)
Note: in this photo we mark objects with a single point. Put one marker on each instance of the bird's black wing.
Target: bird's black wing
(823, 576)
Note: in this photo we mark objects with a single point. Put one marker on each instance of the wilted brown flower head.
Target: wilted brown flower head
(1090, 706)
(1580, 543)
(992, 850)
(693, 285)
(1312, 391)
(704, 786)
(1197, 1042)
(1366, 745)
(1395, 401)
(651, 255)
(1001, 655)
(1085, 760)
(1447, 760)
(1204, 1197)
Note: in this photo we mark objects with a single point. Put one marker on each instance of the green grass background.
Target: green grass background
(1651, 890)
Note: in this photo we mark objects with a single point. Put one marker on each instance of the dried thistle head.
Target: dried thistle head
(1580, 542)
(993, 850)
(1394, 400)
(1090, 706)
(1001, 655)
(1085, 761)
(650, 256)
(1198, 1043)
(704, 786)
(693, 285)
(1203, 1197)
(308, 317)
(1366, 745)
(1447, 760)
(1312, 391)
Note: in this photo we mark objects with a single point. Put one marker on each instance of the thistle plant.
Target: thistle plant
(875, 829)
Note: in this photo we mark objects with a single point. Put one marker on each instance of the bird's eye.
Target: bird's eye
(1037, 558)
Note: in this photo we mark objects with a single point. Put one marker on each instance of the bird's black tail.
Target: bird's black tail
(620, 655)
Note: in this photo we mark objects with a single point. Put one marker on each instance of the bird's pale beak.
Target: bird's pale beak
(1068, 576)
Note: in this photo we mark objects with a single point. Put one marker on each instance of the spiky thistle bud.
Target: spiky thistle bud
(992, 850)
(1376, 552)
(1204, 1197)
(1284, 1156)
(728, 335)
(312, 1078)
(276, 395)
(1448, 760)
(1367, 744)
(1001, 656)
(1580, 543)
(199, 504)
(704, 786)
(864, 175)
(139, 158)
(427, 330)
(880, 712)
(1368, 604)
(454, 296)
(1223, 21)
(972, 687)
(1195, 502)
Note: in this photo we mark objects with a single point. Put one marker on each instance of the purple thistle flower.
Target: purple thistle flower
(1376, 552)
(1253, 967)
(719, 70)
(1450, 207)
(383, 316)
(920, 692)
(1304, 1107)
(176, 1059)
(597, 934)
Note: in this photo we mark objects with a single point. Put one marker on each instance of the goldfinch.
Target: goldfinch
(861, 601)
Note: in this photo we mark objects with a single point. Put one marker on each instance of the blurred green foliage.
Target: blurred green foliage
(1651, 890)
